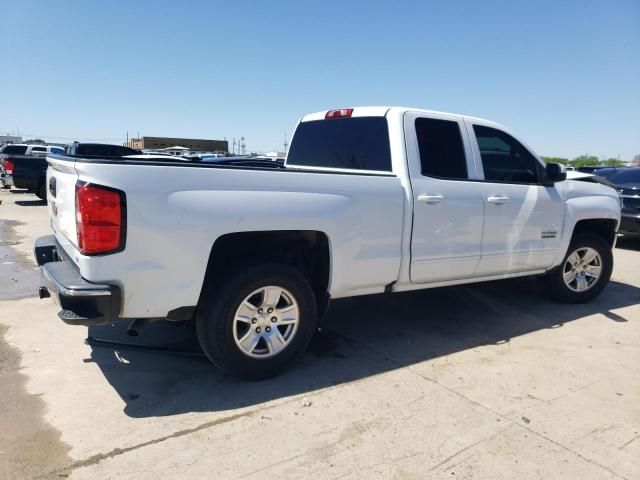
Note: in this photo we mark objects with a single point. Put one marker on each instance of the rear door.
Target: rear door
(447, 198)
(523, 217)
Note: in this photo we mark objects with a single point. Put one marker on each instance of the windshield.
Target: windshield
(14, 149)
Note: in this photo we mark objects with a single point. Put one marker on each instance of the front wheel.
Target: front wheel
(258, 323)
(584, 271)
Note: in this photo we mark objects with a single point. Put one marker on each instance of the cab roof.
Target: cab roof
(381, 111)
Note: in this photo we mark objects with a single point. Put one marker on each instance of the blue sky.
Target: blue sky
(563, 75)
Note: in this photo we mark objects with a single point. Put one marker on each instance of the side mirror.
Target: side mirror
(555, 172)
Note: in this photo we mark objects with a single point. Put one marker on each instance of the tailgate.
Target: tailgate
(61, 197)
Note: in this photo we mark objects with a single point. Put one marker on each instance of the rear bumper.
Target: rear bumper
(629, 223)
(81, 302)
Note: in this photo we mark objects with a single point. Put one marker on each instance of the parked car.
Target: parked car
(29, 171)
(627, 182)
(18, 150)
(606, 172)
(99, 150)
(370, 200)
(588, 168)
(198, 156)
(30, 149)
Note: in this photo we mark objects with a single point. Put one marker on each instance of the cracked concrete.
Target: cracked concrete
(423, 385)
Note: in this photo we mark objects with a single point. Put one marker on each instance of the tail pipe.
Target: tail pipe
(133, 330)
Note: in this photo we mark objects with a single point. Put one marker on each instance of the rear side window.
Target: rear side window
(504, 159)
(441, 149)
(14, 149)
(39, 149)
(360, 143)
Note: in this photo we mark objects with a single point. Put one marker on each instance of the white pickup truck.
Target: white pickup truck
(370, 200)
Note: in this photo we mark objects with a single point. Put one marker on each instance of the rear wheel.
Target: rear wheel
(259, 323)
(584, 271)
(41, 192)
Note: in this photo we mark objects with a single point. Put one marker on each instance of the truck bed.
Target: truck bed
(176, 210)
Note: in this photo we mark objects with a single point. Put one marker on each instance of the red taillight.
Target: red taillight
(99, 219)
(342, 113)
(8, 165)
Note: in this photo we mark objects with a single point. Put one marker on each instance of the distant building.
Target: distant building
(194, 144)
(6, 139)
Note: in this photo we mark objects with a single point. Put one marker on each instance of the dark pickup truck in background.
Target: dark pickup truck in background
(30, 171)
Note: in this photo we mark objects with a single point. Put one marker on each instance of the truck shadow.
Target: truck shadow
(31, 203)
(360, 337)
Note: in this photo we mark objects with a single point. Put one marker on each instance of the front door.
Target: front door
(523, 217)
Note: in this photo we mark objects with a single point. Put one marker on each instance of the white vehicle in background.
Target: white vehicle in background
(370, 200)
(30, 149)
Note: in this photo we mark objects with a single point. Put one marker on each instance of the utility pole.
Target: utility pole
(286, 145)
(233, 151)
(242, 145)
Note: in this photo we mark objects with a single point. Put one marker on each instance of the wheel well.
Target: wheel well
(306, 250)
(604, 227)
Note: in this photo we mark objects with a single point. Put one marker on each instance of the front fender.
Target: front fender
(592, 207)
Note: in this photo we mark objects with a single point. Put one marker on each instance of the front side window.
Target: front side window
(360, 143)
(441, 149)
(504, 159)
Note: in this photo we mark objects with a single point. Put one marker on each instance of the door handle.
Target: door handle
(430, 199)
(497, 199)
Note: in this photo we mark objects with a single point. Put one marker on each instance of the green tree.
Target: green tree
(561, 160)
(613, 162)
(585, 160)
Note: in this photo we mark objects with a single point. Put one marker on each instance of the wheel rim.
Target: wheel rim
(266, 322)
(582, 269)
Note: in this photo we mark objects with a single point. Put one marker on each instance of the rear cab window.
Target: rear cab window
(14, 149)
(352, 143)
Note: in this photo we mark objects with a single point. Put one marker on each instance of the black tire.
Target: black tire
(41, 192)
(217, 307)
(555, 284)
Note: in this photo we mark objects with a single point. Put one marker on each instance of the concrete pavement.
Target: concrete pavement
(487, 381)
